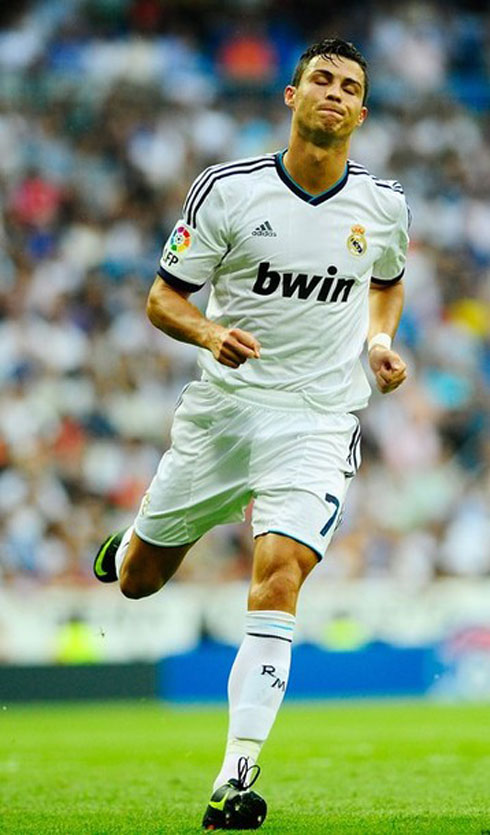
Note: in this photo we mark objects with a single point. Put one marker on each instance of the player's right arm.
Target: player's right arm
(171, 311)
(196, 246)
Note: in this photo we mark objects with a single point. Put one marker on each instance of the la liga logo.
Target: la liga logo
(180, 240)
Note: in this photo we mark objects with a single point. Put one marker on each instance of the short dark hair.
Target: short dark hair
(328, 48)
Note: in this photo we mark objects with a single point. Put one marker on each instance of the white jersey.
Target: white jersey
(292, 269)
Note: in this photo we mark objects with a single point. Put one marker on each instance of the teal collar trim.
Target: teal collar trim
(312, 199)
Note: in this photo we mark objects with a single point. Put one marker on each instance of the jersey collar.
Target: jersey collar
(312, 199)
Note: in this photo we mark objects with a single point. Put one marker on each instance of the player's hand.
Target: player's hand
(233, 347)
(388, 368)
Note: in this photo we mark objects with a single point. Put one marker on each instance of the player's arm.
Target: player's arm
(385, 309)
(171, 311)
(386, 300)
(196, 246)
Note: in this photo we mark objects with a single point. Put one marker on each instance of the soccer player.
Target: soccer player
(305, 252)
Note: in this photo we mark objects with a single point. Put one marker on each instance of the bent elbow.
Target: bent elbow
(150, 309)
(154, 304)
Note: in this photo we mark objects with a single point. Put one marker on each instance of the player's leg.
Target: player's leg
(200, 482)
(280, 567)
(145, 568)
(259, 675)
(300, 470)
(142, 568)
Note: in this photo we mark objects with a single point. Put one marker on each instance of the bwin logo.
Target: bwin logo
(331, 289)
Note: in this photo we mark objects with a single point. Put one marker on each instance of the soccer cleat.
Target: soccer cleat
(233, 805)
(105, 561)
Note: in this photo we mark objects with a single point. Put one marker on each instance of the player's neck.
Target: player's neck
(315, 169)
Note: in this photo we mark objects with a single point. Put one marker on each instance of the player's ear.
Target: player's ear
(289, 95)
(362, 116)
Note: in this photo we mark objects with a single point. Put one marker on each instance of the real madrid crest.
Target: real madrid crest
(356, 242)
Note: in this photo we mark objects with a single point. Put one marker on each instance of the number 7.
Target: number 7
(332, 500)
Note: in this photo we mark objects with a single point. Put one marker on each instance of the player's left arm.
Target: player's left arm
(386, 299)
(385, 309)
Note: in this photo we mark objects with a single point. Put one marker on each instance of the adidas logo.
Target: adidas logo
(266, 230)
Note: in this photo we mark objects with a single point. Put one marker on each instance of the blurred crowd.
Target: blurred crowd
(108, 110)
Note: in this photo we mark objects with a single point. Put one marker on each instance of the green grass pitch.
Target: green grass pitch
(144, 768)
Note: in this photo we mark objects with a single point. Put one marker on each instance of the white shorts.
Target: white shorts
(293, 461)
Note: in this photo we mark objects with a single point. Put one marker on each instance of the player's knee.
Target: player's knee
(134, 585)
(130, 588)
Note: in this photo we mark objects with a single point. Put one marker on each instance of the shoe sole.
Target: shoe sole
(239, 812)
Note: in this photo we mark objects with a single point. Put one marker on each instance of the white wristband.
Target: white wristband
(382, 339)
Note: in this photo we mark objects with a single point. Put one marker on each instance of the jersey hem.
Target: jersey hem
(282, 399)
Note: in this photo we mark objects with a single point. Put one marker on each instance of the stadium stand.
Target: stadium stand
(108, 109)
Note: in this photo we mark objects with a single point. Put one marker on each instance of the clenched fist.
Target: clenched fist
(388, 368)
(232, 347)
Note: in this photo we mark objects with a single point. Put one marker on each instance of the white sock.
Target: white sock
(123, 547)
(256, 686)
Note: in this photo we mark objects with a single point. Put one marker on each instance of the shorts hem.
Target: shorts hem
(163, 544)
(319, 555)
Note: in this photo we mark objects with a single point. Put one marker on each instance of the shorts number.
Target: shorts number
(332, 500)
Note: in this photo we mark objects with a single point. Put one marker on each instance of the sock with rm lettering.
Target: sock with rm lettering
(256, 686)
(123, 547)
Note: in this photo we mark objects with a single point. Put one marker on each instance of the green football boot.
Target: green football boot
(105, 561)
(233, 805)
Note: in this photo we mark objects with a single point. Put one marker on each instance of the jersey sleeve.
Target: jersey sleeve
(390, 267)
(198, 241)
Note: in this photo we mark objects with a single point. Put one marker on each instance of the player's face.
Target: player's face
(327, 103)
